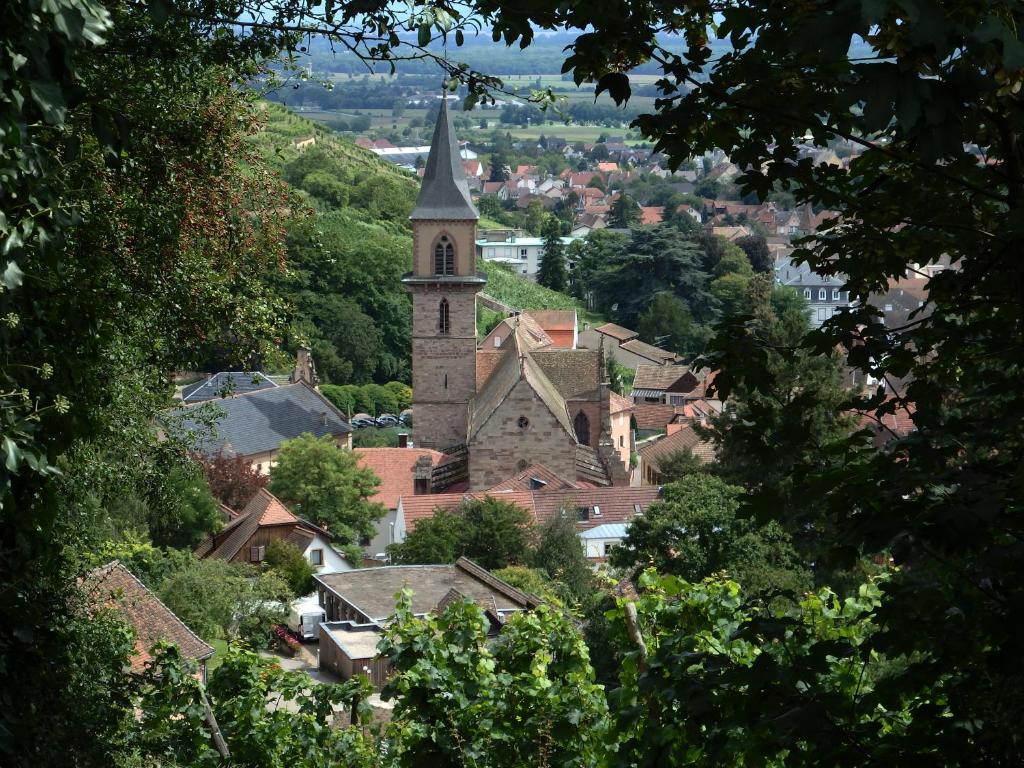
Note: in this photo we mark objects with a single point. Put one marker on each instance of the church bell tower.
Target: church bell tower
(444, 284)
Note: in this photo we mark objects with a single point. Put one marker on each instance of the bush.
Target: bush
(288, 561)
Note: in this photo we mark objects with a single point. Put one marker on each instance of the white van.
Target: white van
(305, 616)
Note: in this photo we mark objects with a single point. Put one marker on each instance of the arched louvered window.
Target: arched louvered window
(582, 426)
(443, 320)
(444, 257)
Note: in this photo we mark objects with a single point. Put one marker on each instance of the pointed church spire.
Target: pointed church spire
(445, 191)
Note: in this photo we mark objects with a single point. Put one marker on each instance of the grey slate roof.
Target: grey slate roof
(445, 191)
(259, 421)
(224, 384)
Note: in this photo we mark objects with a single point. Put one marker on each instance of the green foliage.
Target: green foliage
(150, 564)
(551, 273)
(532, 581)
(516, 291)
(667, 323)
(624, 213)
(823, 696)
(287, 561)
(297, 729)
(325, 484)
(559, 554)
(695, 532)
(527, 699)
(678, 465)
(491, 532)
(191, 516)
(222, 600)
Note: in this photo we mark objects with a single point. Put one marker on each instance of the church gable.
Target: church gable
(522, 429)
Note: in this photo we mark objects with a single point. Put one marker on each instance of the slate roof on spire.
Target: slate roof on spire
(444, 193)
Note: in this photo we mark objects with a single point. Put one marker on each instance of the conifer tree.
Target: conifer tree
(552, 264)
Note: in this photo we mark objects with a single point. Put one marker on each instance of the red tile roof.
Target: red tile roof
(616, 504)
(683, 438)
(526, 480)
(393, 466)
(616, 332)
(652, 214)
(554, 319)
(655, 415)
(114, 586)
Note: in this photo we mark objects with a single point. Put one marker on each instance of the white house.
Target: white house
(599, 541)
(523, 254)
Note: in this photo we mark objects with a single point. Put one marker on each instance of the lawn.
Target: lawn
(220, 647)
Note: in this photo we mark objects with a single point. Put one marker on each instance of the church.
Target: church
(503, 409)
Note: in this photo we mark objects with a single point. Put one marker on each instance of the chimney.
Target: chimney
(305, 369)
(422, 475)
(403, 439)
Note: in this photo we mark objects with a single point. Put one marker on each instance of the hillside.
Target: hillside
(345, 261)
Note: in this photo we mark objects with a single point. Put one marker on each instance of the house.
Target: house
(359, 604)
(599, 541)
(405, 472)
(588, 506)
(521, 253)
(624, 346)
(607, 167)
(263, 520)
(652, 214)
(680, 437)
(114, 586)
(670, 384)
(253, 424)
(587, 223)
(559, 325)
(826, 295)
(225, 384)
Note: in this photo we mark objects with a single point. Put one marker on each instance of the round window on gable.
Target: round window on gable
(523, 422)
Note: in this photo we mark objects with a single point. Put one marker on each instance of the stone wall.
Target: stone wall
(501, 447)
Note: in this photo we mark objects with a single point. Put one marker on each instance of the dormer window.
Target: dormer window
(444, 257)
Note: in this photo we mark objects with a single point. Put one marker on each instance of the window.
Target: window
(821, 294)
(582, 513)
(622, 441)
(490, 253)
(256, 554)
(637, 510)
(597, 511)
(835, 294)
(608, 547)
(888, 307)
(443, 319)
(807, 293)
(444, 257)
(581, 425)
(497, 341)
(316, 557)
(523, 422)
(522, 253)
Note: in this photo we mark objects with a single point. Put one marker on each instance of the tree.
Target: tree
(625, 212)
(696, 532)
(227, 601)
(559, 554)
(287, 561)
(551, 273)
(529, 698)
(676, 466)
(756, 248)
(491, 532)
(232, 479)
(667, 323)
(325, 484)
(191, 513)
(535, 217)
(398, 108)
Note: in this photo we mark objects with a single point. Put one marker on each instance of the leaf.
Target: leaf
(617, 85)
(423, 35)
(12, 454)
(12, 276)
(49, 98)
(460, 38)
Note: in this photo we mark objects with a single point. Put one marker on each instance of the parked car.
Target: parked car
(387, 420)
(360, 422)
(305, 616)
(406, 416)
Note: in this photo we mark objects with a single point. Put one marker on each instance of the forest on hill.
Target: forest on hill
(349, 243)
